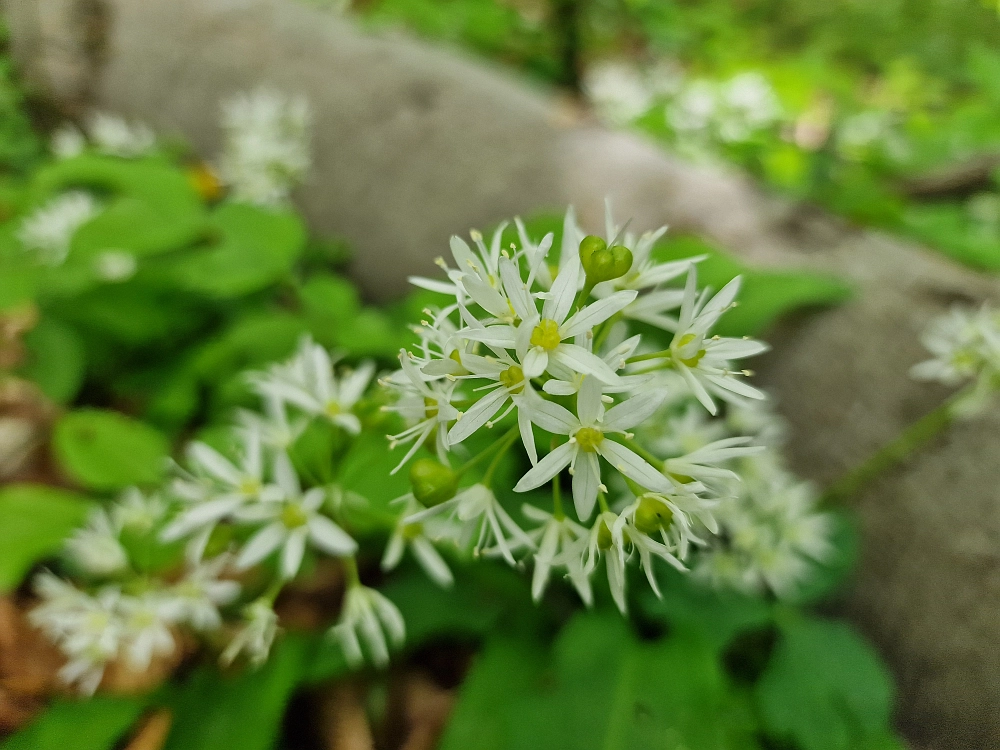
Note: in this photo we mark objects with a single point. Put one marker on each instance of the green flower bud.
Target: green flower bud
(432, 482)
(588, 246)
(604, 539)
(652, 515)
(603, 263)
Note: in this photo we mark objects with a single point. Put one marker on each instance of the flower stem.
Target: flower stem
(646, 357)
(504, 445)
(895, 452)
(605, 329)
(492, 447)
(351, 570)
(602, 502)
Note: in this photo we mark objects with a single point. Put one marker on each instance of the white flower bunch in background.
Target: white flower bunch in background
(732, 111)
(49, 231)
(123, 613)
(623, 92)
(538, 349)
(266, 146)
(965, 345)
(108, 134)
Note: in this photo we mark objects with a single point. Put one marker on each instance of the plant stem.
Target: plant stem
(476, 459)
(602, 502)
(557, 507)
(504, 445)
(606, 327)
(645, 357)
(889, 455)
(351, 569)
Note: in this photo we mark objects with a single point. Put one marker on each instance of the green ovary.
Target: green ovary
(513, 379)
(546, 335)
(588, 438)
(293, 516)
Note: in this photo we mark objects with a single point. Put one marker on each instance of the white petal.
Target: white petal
(213, 462)
(393, 552)
(330, 538)
(588, 401)
(561, 296)
(478, 415)
(432, 562)
(260, 545)
(291, 554)
(586, 478)
(527, 435)
(633, 411)
(633, 466)
(535, 362)
(549, 416)
(596, 313)
(547, 468)
(578, 359)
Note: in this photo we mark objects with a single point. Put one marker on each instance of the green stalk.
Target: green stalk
(504, 445)
(913, 438)
(483, 454)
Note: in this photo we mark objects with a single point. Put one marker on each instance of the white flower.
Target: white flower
(693, 109)
(587, 441)
(607, 539)
(309, 383)
(417, 536)
(50, 229)
(749, 104)
(137, 511)
(561, 543)
(703, 464)
(254, 638)
(96, 548)
(115, 265)
(116, 137)
(276, 430)
(369, 614)
(483, 518)
(217, 487)
(424, 404)
(291, 524)
(706, 363)
(87, 629)
(266, 151)
(67, 141)
(196, 598)
(145, 628)
(618, 90)
(965, 345)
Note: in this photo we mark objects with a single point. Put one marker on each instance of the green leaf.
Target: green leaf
(718, 616)
(825, 579)
(244, 712)
(96, 723)
(257, 247)
(366, 470)
(506, 670)
(329, 303)
(764, 297)
(105, 450)
(603, 690)
(34, 522)
(825, 688)
(56, 360)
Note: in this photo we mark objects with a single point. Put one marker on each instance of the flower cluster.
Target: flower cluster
(125, 613)
(965, 345)
(107, 134)
(266, 148)
(542, 343)
(152, 564)
(730, 111)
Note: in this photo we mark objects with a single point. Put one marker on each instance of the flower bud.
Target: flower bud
(603, 263)
(432, 482)
(652, 515)
(604, 539)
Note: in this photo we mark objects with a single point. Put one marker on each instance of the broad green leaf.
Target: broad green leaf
(34, 522)
(242, 711)
(825, 688)
(105, 450)
(256, 248)
(507, 670)
(603, 690)
(97, 723)
(330, 304)
(56, 360)
(718, 616)
(367, 467)
(372, 333)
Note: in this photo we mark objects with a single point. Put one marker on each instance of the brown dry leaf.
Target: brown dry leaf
(14, 323)
(343, 724)
(26, 417)
(427, 707)
(314, 601)
(122, 679)
(29, 667)
(153, 731)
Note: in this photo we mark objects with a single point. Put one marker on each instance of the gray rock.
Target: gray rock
(413, 144)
